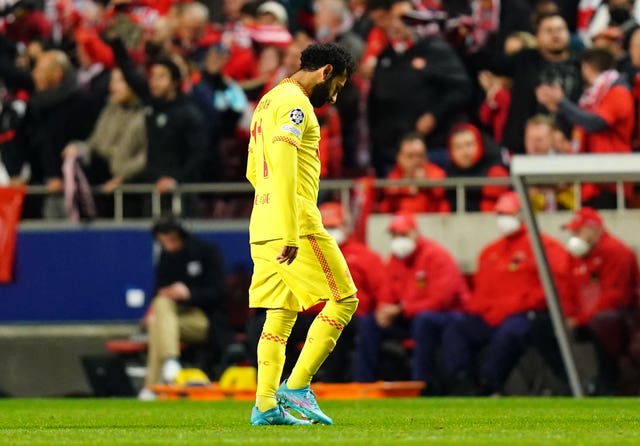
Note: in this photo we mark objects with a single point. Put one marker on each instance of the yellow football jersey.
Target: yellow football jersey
(284, 166)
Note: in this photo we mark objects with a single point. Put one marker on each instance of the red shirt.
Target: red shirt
(507, 281)
(413, 200)
(427, 280)
(606, 278)
(369, 274)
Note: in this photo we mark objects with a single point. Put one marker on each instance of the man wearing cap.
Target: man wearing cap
(605, 278)
(427, 292)
(507, 291)
(370, 276)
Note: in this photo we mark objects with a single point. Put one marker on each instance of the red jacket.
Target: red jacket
(369, 274)
(616, 108)
(427, 280)
(507, 282)
(413, 200)
(606, 278)
(496, 117)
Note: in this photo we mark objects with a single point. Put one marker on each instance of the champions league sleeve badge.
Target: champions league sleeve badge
(296, 116)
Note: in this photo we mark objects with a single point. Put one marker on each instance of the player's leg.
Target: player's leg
(322, 336)
(271, 355)
(321, 339)
(319, 273)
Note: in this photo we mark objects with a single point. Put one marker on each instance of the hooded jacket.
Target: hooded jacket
(487, 163)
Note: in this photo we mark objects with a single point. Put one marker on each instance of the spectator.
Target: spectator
(116, 151)
(474, 155)
(222, 102)
(194, 33)
(540, 135)
(29, 23)
(494, 109)
(427, 292)
(56, 114)
(606, 279)
(419, 84)
(95, 61)
(333, 22)
(376, 39)
(612, 39)
(550, 63)
(494, 20)
(630, 68)
(619, 13)
(189, 304)
(176, 133)
(271, 25)
(603, 118)
(507, 291)
(412, 164)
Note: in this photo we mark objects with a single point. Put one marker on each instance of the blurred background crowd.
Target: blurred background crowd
(96, 94)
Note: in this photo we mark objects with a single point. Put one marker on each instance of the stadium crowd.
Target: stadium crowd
(443, 89)
(96, 94)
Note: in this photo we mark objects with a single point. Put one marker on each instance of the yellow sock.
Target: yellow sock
(321, 339)
(271, 354)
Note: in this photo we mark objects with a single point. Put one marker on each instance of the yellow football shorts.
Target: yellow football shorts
(318, 273)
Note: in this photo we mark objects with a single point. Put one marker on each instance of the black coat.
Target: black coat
(199, 265)
(53, 119)
(178, 139)
(428, 77)
(529, 69)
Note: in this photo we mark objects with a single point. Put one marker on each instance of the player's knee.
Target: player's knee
(280, 321)
(343, 309)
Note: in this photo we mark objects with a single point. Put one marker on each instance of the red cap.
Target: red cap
(583, 217)
(508, 203)
(402, 223)
(331, 214)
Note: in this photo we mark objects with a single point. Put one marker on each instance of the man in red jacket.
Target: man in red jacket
(507, 293)
(427, 292)
(605, 278)
(370, 276)
(412, 164)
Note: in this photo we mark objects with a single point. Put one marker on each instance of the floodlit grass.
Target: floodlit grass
(452, 421)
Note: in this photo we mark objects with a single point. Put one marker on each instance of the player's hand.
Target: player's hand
(288, 255)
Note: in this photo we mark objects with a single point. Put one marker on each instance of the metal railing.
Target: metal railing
(344, 187)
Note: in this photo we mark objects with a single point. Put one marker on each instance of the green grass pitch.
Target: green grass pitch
(419, 421)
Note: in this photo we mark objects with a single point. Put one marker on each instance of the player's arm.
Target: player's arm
(251, 166)
(290, 123)
(284, 164)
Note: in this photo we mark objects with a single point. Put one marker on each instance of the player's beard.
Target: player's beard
(320, 94)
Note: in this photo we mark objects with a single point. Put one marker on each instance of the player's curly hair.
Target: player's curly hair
(318, 55)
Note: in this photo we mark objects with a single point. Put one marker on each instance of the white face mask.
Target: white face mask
(402, 247)
(577, 247)
(337, 234)
(508, 224)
